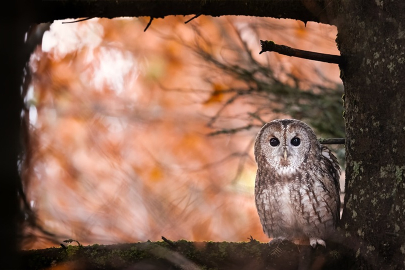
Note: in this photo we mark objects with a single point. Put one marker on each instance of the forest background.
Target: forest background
(136, 134)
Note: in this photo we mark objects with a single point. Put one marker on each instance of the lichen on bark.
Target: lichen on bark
(370, 42)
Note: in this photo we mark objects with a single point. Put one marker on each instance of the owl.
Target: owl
(297, 183)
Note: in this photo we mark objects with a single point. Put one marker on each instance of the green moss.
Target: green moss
(387, 171)
(72, 250)
(223, 249)
(374, 201)
(357, 169)
(391, 67)
(206, 255)
(397, 228)
(402, 249)
(370, 248)
(399, 173)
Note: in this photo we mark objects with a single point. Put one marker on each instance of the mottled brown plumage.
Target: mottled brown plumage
(297, 183)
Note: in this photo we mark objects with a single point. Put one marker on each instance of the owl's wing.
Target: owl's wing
(334, 169)
(331, 165)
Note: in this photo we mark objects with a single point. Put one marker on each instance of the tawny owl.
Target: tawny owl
(297, 183)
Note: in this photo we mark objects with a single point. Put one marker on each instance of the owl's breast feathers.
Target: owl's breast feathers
(304, 203)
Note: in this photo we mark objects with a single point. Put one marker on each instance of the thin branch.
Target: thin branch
(332, 141)
(80, 20)
(230, 131)
(229, 101)
(194, 17)
(241, 91)
(270, 46)
(244, 45)
(149, 23)
(72, 240)
(169, 242)
(255, 116)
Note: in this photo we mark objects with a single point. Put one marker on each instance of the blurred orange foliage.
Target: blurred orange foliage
(118, 128)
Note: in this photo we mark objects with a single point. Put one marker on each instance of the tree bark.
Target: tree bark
(189, 255)
(13, 25)
(61, 9)
(371, 38)
(10, 110)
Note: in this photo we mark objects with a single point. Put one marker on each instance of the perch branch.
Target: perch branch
(61, 9)
(332, 141)
(270, 46)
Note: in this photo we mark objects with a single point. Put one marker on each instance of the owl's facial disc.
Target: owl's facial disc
(284, 145)
(283, 151)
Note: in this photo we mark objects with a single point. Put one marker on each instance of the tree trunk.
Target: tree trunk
(14, 23)
(371, 38)
(10, 110)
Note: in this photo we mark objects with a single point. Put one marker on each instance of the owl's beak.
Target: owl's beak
(284, 161)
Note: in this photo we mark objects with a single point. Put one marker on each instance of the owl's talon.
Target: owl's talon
(316, 241)
(277, 241)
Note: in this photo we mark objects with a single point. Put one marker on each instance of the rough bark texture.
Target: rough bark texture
(372, 40)
(62, 9)
(9, 135)
(190, 255)
(13, 25)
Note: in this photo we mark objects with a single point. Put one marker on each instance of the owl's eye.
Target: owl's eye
(295, 141)
(274, 142)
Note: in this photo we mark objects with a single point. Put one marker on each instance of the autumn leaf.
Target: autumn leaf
(217, 95)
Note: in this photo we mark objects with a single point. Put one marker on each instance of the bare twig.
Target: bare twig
(80, 20)
(169, 242)
(72, 240)
(270, 46)
(230, 131)
(229, 101)
(194, 17)
(255, 116)
(332, 141)
(149, 23)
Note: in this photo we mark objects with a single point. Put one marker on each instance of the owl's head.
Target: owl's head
(285, 144)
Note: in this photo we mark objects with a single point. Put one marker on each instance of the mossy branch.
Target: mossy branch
(332, 141)
(186, 255)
